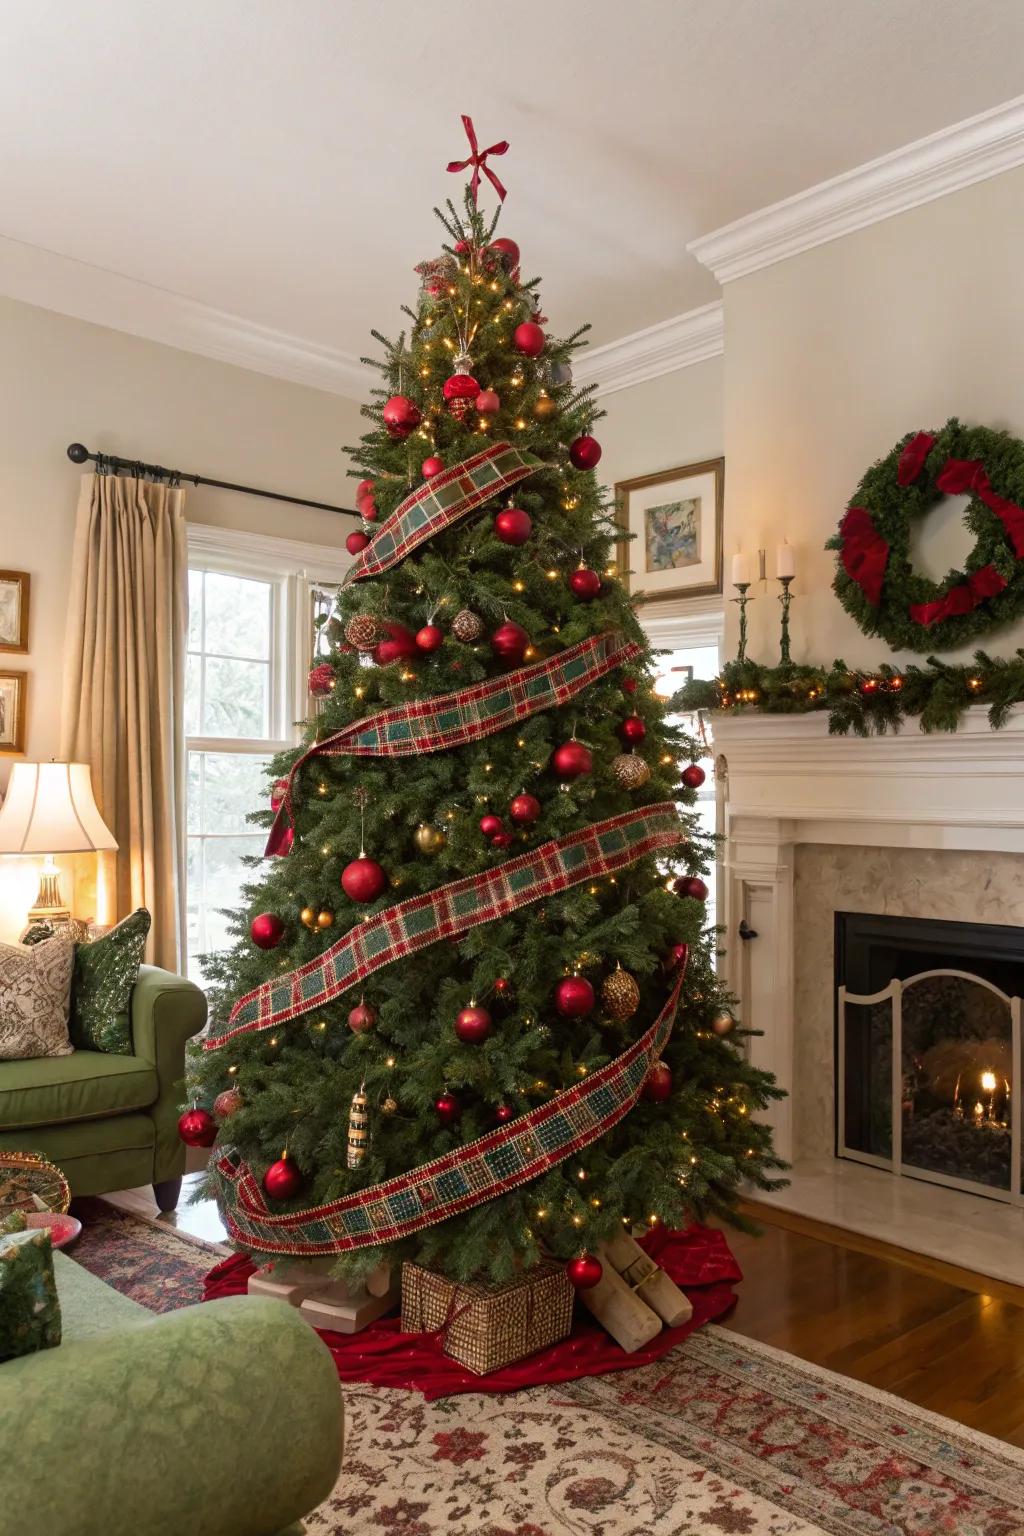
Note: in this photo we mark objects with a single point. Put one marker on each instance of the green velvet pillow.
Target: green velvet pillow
(105, 973)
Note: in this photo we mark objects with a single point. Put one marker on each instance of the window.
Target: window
(252, 634)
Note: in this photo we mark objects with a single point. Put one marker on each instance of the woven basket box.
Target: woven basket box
(488, 1326)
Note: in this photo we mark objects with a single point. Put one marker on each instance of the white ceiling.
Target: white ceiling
(279, 159)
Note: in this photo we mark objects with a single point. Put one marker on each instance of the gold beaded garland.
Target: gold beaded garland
(630, 770)
(620, 994)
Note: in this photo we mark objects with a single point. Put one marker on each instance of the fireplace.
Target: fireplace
(928, 1043)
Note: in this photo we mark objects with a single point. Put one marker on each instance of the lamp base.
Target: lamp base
(49, 903)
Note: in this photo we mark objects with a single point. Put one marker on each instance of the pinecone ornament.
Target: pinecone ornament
(467, 626)
(363, 631)
(620, 994)
(630, 770)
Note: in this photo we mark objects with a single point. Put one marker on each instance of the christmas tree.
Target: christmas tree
(471, 1013)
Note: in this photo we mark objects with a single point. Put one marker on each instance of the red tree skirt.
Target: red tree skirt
(699, 1260)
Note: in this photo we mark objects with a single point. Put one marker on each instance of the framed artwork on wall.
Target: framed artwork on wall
(14, 589)
(13, 687)
(675, 518)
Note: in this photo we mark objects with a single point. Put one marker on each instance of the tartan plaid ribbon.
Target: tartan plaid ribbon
(470, 714)
(511, 1155)
(440, 502)
(401, 930)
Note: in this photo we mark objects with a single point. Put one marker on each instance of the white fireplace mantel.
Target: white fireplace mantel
(783, 781)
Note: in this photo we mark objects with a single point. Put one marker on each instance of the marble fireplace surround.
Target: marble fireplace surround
(914, 825)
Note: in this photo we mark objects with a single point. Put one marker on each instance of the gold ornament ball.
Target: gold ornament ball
(389, 1106)
(308, 917)
(429, 839)
(467, 626)
(363, 631)
(325, 919)
(544, 408)
(630, 770)
(620, 994)
(723, 1023)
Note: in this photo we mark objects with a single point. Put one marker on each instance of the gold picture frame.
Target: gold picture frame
(13, 702)
(14, 594)
(675, 518)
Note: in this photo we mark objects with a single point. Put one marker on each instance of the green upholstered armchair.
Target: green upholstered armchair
(110, 1122)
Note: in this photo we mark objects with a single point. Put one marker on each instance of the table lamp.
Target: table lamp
(50, 809)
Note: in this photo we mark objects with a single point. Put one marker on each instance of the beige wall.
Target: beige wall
(832, 356)
(62, 380)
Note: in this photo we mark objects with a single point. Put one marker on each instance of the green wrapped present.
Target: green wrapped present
(29, 1308)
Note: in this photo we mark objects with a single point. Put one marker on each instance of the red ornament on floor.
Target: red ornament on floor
(430, 638)
(401, 415)
(363, 879)
(431, 467)
(693, 776)
(266, 930)
(509, 643)
(473, 1025)
(659, 1083)
(282, 1179)
(584, 1272)
(513, 526)
(574, 997)
(585, 583)
(529, 339)
(633, 730)
(691, 885)
(197, 1128)
(357, 541)
(524, 809)
(585, 452)
(571, 760)
(362, 1018)
(448, 1109)
(491, 825)
(488, 402)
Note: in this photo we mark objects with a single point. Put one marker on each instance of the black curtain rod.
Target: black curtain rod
(78, 453)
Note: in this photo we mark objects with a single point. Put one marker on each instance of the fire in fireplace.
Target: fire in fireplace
(928, 1046)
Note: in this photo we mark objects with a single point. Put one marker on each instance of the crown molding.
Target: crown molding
(37, 276)
(944, 162)
(660, 349)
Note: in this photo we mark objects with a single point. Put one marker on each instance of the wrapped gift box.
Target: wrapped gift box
(29, 1309)
(486, 1326)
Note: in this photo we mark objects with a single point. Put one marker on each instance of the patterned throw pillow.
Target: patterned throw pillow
(105, 973)
(35, 989)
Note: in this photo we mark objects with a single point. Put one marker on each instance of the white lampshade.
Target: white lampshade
(50, 809)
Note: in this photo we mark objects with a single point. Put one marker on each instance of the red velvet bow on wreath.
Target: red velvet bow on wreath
(478, 160)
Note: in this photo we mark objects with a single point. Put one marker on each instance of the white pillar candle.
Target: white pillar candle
(785, 561)
(740, 571)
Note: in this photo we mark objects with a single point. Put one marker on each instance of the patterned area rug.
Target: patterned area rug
(154, 1264)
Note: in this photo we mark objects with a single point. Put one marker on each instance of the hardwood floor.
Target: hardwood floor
(932, 1334)
(949, 1347)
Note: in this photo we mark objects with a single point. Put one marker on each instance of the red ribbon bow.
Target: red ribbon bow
(865, 553)
(960, 600)
(478, 160)
(913, 456)
(968, 476)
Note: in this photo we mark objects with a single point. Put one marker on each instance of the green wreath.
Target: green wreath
(875, 580)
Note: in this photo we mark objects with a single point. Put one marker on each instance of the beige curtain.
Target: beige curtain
(124, 680)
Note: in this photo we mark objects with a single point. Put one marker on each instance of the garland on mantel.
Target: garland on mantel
(866, 703)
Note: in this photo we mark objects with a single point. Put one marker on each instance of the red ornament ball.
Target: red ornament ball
(278, 790)
(365, 488)
(502, 986)
(507, 250)
(571, 759)
(282, 1179)
(266, 930)
(629, 685)
(448, 1109)
(460, 392)
(585, 452)
(400, 642)
(529, 339)
(677, 957)
(491, 825)
(473, 1025)
(362, 1018)
(197, 1128)
(501, 840)
(227, 1103)
(693, 776)
(868, 686)
(633, 730)
(321, 680)
(585, 583)
(504, 1113)
(367, 510)
(584, 1272)
(574, 997)
(659, 1082)
(401, 415)
(509, 643)
(432, 466)
(691, 885)
(524, 809)
(430, 638)
(356, 541)
(363, 879)
(513, 526)
(488, 402)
